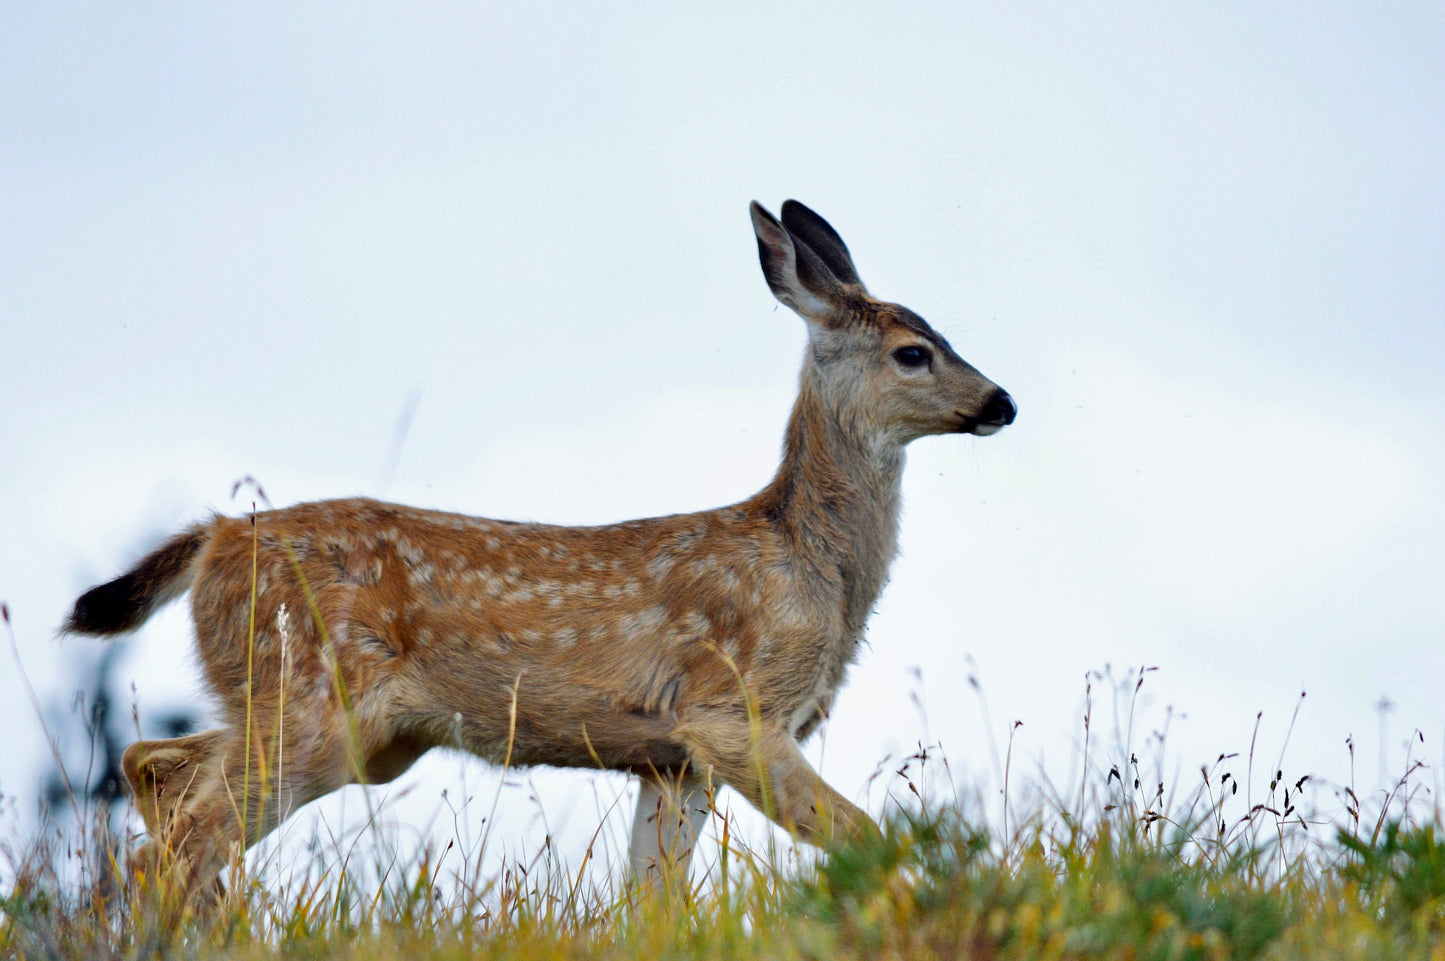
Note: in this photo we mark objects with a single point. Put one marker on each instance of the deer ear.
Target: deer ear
(818, 234)
(797, 276)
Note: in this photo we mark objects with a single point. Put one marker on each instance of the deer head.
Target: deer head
(886, 375)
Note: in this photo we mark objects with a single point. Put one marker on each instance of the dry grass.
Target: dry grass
(1112, 866)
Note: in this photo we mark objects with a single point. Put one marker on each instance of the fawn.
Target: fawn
(344, 639)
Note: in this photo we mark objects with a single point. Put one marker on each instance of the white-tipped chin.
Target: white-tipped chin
(983, 430)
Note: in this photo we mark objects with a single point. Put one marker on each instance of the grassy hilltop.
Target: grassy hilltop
(1240, 866)
(1119, 873)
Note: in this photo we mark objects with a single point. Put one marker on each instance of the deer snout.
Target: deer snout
(998, 412)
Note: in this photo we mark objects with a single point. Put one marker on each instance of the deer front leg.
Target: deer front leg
(765, 765)
(671, 812)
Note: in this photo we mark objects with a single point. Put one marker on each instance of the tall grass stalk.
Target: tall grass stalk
(1115, 866)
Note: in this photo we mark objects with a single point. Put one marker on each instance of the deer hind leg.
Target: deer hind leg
(168, 780)
(194, 792)
(671, 812)
(767, 767)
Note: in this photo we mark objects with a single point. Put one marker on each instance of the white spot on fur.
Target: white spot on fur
(645, 623)
(692, 626)
(411, 553)
(687, 537)
(802, 715)
(659, 565)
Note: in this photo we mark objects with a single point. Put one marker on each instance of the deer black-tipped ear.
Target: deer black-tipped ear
(818, 234)
(797, 276)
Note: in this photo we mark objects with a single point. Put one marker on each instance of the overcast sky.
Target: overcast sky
(1202, 250)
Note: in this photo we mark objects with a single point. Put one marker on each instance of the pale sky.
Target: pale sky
(1201, 249)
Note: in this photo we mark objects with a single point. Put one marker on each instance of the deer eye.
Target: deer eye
(913, 355)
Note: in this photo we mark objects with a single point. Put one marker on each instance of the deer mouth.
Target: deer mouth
(976, 427)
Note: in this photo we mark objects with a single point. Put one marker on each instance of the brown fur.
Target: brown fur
(696, 645)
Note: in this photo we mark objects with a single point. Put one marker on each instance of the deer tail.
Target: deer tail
(125, 603)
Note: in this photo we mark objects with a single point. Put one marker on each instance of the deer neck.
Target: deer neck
(836, 499)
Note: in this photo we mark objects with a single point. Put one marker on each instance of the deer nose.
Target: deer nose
(1000, 409)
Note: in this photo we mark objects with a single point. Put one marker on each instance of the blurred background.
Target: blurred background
(496, 259)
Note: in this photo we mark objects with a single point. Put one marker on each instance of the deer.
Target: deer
(344, 639)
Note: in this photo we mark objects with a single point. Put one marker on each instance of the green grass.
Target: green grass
(933, 887)
(1120, 873)
(1111, 866)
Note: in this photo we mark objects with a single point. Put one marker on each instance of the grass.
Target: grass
(1110, 867)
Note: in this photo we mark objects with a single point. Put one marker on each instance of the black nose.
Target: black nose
(1000, 409)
